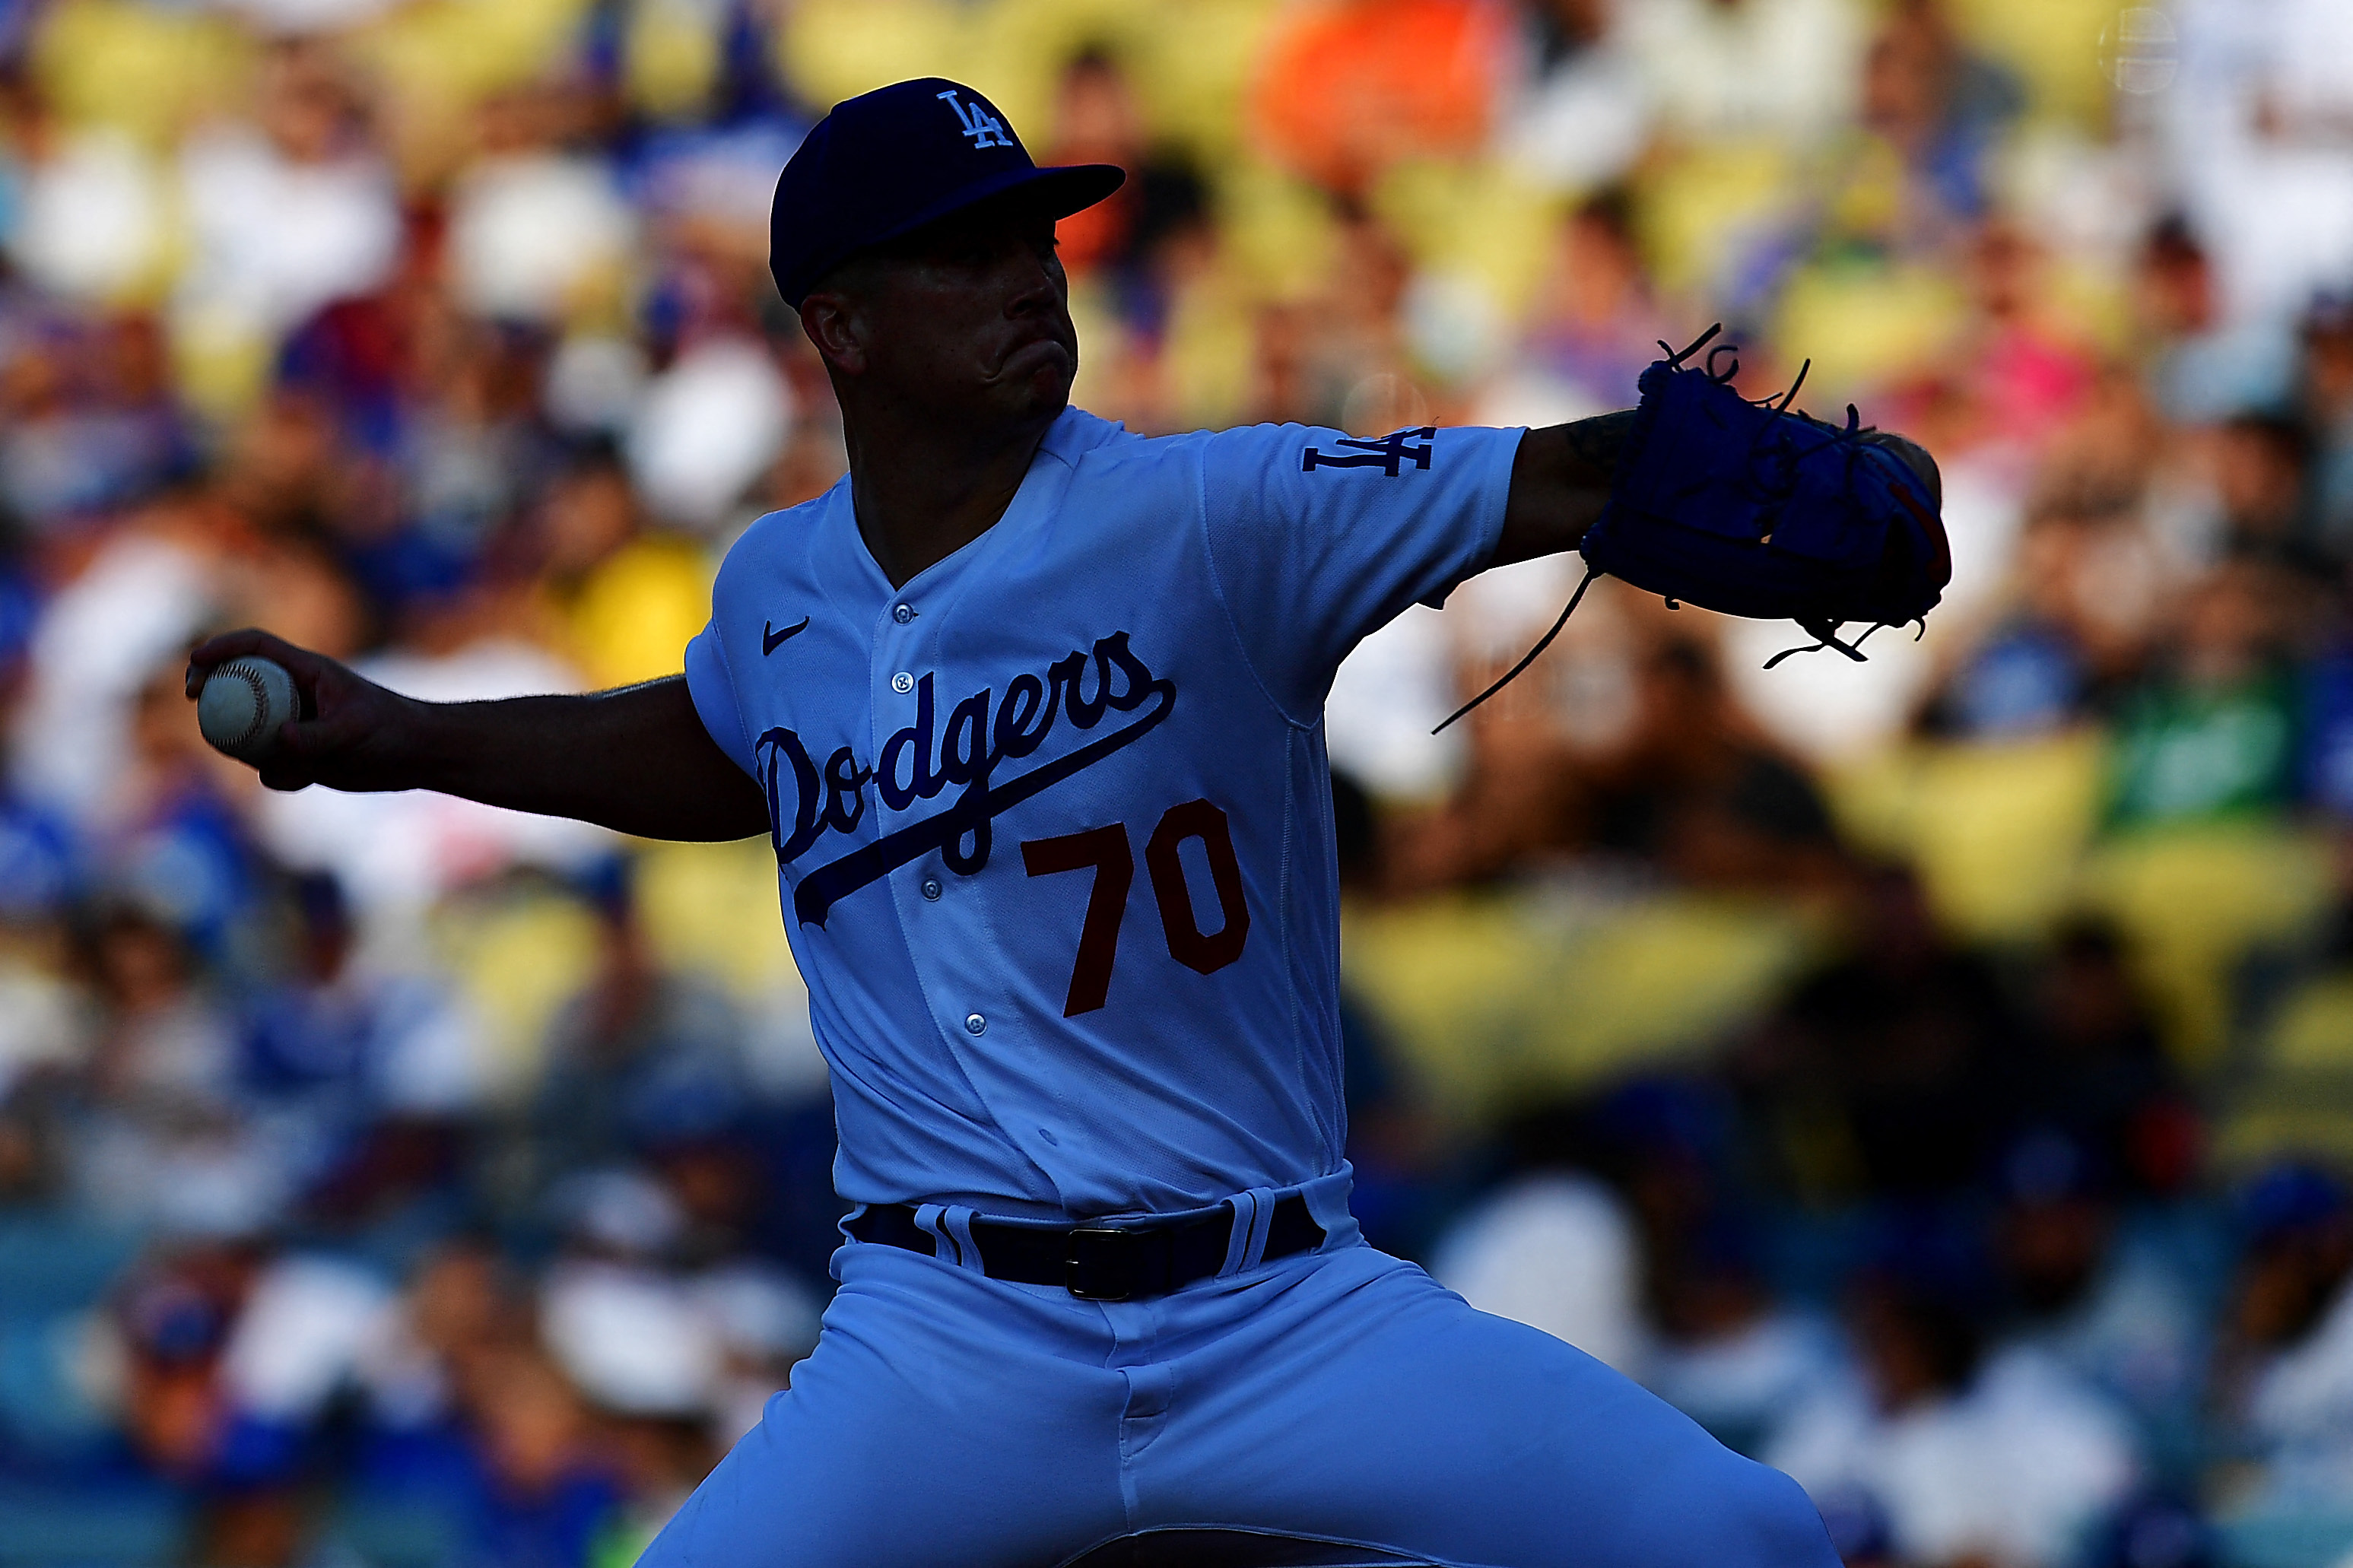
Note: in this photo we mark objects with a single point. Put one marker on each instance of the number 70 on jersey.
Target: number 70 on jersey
(1108, 853)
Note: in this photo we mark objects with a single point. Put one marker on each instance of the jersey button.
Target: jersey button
(973, 1024)
(932, 891)
(902, 682)
(904, 614)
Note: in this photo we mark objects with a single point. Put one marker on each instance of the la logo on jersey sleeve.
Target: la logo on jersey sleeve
(1388, 454)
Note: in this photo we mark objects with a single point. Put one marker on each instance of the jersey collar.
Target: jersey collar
(1075, 432)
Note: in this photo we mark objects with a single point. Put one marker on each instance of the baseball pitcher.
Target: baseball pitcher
(1031, 709)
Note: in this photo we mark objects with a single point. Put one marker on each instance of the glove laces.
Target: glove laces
(1530, 656)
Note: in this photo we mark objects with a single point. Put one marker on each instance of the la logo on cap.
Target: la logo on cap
(985, 129)
(882, 165)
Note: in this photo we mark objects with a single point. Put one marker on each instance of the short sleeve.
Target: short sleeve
(713, 690)
(1317, 539)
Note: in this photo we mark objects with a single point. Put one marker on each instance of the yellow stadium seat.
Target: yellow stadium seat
(2194, 901)
(638, 609)
(1494, 997)
(516, 951)
(1997, 831)
(711, 910)
(148, 71)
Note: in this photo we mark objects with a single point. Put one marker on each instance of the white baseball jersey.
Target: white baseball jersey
(1052, 821)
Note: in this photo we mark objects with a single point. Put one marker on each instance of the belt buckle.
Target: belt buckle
(1084, 1264)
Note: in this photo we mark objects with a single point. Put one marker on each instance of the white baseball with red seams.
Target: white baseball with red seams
(243, 703)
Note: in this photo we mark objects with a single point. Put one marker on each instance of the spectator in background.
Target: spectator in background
(174, 1318)
(88, 213)
(1554, 1247)
(2088, 585)
(290, 1361)
(2202, 366)
(2263, 471)
(625, 598)
(2008, 1462)
(712, 423)
(1346, 88)
(538, 228)
(1132, 251)
(470, 445)
(1584, 115)
(2096, 1071)
(287, 213)
(2326, 401)
(1594, 327)
(169, 834)
(1724, 1349)
(1730, 1354)
(474, 1437)
(1098, 120)
(1338, 357)
(676, 1364)
(1689, 788)
(2027, 678)
(2256, 132)
(461, 1307)
(2211, 733)
(2104, 1301)
(2028, 367)
(2284, 1371)
(1891, 1069)
(614, 1312)
(535, 1493)
(91, 422)
(1778, 71)
(342, 1046)
(162, 1137)
(644, 1056)
(103, 637)
(1705, 793)
(1939, 110)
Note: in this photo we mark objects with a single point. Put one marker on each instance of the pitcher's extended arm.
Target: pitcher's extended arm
(1560, 482)
(637, 760)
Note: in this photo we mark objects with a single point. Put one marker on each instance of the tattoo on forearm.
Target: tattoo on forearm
(1599, 442)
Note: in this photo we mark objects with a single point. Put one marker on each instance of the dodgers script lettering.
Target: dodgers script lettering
(918, 763)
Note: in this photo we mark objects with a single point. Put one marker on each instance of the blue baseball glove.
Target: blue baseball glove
(1756, 510)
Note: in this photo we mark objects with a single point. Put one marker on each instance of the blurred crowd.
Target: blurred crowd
(1930, 1073)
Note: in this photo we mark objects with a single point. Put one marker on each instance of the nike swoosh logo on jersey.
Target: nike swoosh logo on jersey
(770, 636)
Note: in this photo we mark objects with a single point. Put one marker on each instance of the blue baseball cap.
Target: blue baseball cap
(886, 163)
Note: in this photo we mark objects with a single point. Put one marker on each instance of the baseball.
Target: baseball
(243, 703)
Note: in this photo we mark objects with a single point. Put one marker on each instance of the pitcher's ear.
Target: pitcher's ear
(833, 323)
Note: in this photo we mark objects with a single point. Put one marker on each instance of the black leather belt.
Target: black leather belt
(1107, 1261)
